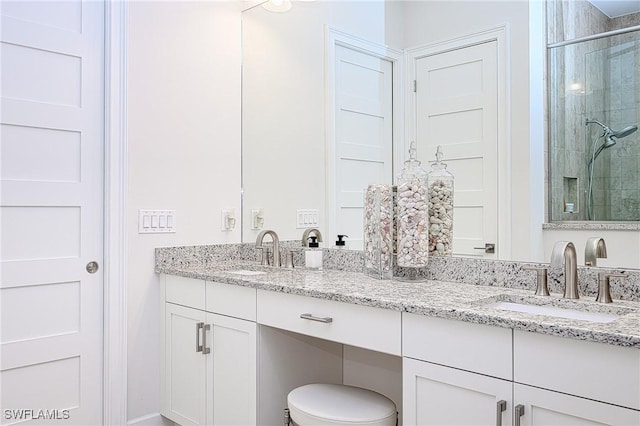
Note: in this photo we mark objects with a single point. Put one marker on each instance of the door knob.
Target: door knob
(92, 267)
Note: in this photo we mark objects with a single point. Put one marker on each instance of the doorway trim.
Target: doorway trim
(115, 225)
(500, 35)
(333, 38)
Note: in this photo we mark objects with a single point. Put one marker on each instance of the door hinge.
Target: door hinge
(415, 86)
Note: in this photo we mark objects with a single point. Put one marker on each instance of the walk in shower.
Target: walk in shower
(594, 113)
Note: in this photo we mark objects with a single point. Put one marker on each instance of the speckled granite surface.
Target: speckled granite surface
(456, 289)
(598, 226)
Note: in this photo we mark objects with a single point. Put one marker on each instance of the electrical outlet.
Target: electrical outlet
(228, 220)
(257, 218)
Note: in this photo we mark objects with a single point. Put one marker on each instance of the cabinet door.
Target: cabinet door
(547, 408)
(437, 395)
(231, 371)
(184, 366)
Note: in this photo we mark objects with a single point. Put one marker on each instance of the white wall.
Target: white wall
(432, 21)
(184, 154)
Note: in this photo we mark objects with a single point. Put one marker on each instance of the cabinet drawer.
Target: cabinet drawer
(184, 291)
(588, 369)
(231, 300)
(362, 326)
(474, 347)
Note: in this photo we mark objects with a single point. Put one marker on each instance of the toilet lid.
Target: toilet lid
(328, 404)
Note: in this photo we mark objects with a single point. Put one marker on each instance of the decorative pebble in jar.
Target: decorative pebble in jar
(440, 184)
(412, 219)
(378, 231)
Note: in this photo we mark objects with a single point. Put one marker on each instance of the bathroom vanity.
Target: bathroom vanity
(237, 337)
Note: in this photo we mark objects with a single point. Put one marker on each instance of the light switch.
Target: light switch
(156, 221)
(307, 218)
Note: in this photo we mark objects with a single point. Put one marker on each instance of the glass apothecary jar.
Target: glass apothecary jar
(440, 186)
(378, 231)
(412, 219)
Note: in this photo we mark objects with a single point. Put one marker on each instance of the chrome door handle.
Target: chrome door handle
(489, 248)
(312, 317)
(518, 412)
(199, 326)
(500, 408)
(205, 349)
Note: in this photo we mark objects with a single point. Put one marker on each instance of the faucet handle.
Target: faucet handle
(541, 279)
(604, 286)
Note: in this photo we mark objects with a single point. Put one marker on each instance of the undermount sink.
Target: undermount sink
(554, 311)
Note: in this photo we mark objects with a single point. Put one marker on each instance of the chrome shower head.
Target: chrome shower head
(625, 132)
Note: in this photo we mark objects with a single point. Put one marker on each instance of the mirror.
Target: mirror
(594, 114)
(284, 116)
(283, 107)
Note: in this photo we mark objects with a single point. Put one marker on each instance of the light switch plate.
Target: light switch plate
(307, 218)
(156, 221)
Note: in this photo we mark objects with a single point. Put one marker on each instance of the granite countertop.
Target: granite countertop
(442, 299)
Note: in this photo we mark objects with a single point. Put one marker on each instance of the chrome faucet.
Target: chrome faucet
(596, 248)
(564, 253)
(307, 232)
(276, 246)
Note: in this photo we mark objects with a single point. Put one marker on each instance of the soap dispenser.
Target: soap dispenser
(313, 254)
(340, 242)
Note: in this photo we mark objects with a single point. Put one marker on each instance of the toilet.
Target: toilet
(330, 405)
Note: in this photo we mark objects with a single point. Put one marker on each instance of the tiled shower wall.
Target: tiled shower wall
(596, 81)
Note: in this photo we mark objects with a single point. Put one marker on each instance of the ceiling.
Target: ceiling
(615, 8)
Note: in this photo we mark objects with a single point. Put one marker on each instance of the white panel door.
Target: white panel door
(547, 408)
(51, 157)
(457, 107)
(232, 372)
(363, 135)
(185, 365)
(438, 396)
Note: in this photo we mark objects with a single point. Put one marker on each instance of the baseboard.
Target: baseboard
(150, 420)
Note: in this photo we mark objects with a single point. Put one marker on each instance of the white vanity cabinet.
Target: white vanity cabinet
(454, 373)
(437, 395)
(566, 381)
(441, 362)
(209, 353)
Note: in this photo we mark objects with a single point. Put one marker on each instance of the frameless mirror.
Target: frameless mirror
(594, 79)
(284, 113)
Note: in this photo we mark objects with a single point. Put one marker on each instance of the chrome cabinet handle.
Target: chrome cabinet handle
(500, 408)
(205, 349)
(518, 412)
(311, 317)
(199, 326)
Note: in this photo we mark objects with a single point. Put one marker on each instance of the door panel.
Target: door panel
(457, 107)
(51, 155)
(543, 408)
(437, 395)
(363, 134)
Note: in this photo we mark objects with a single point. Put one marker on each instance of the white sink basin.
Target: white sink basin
(553, 311)
(246, 272)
